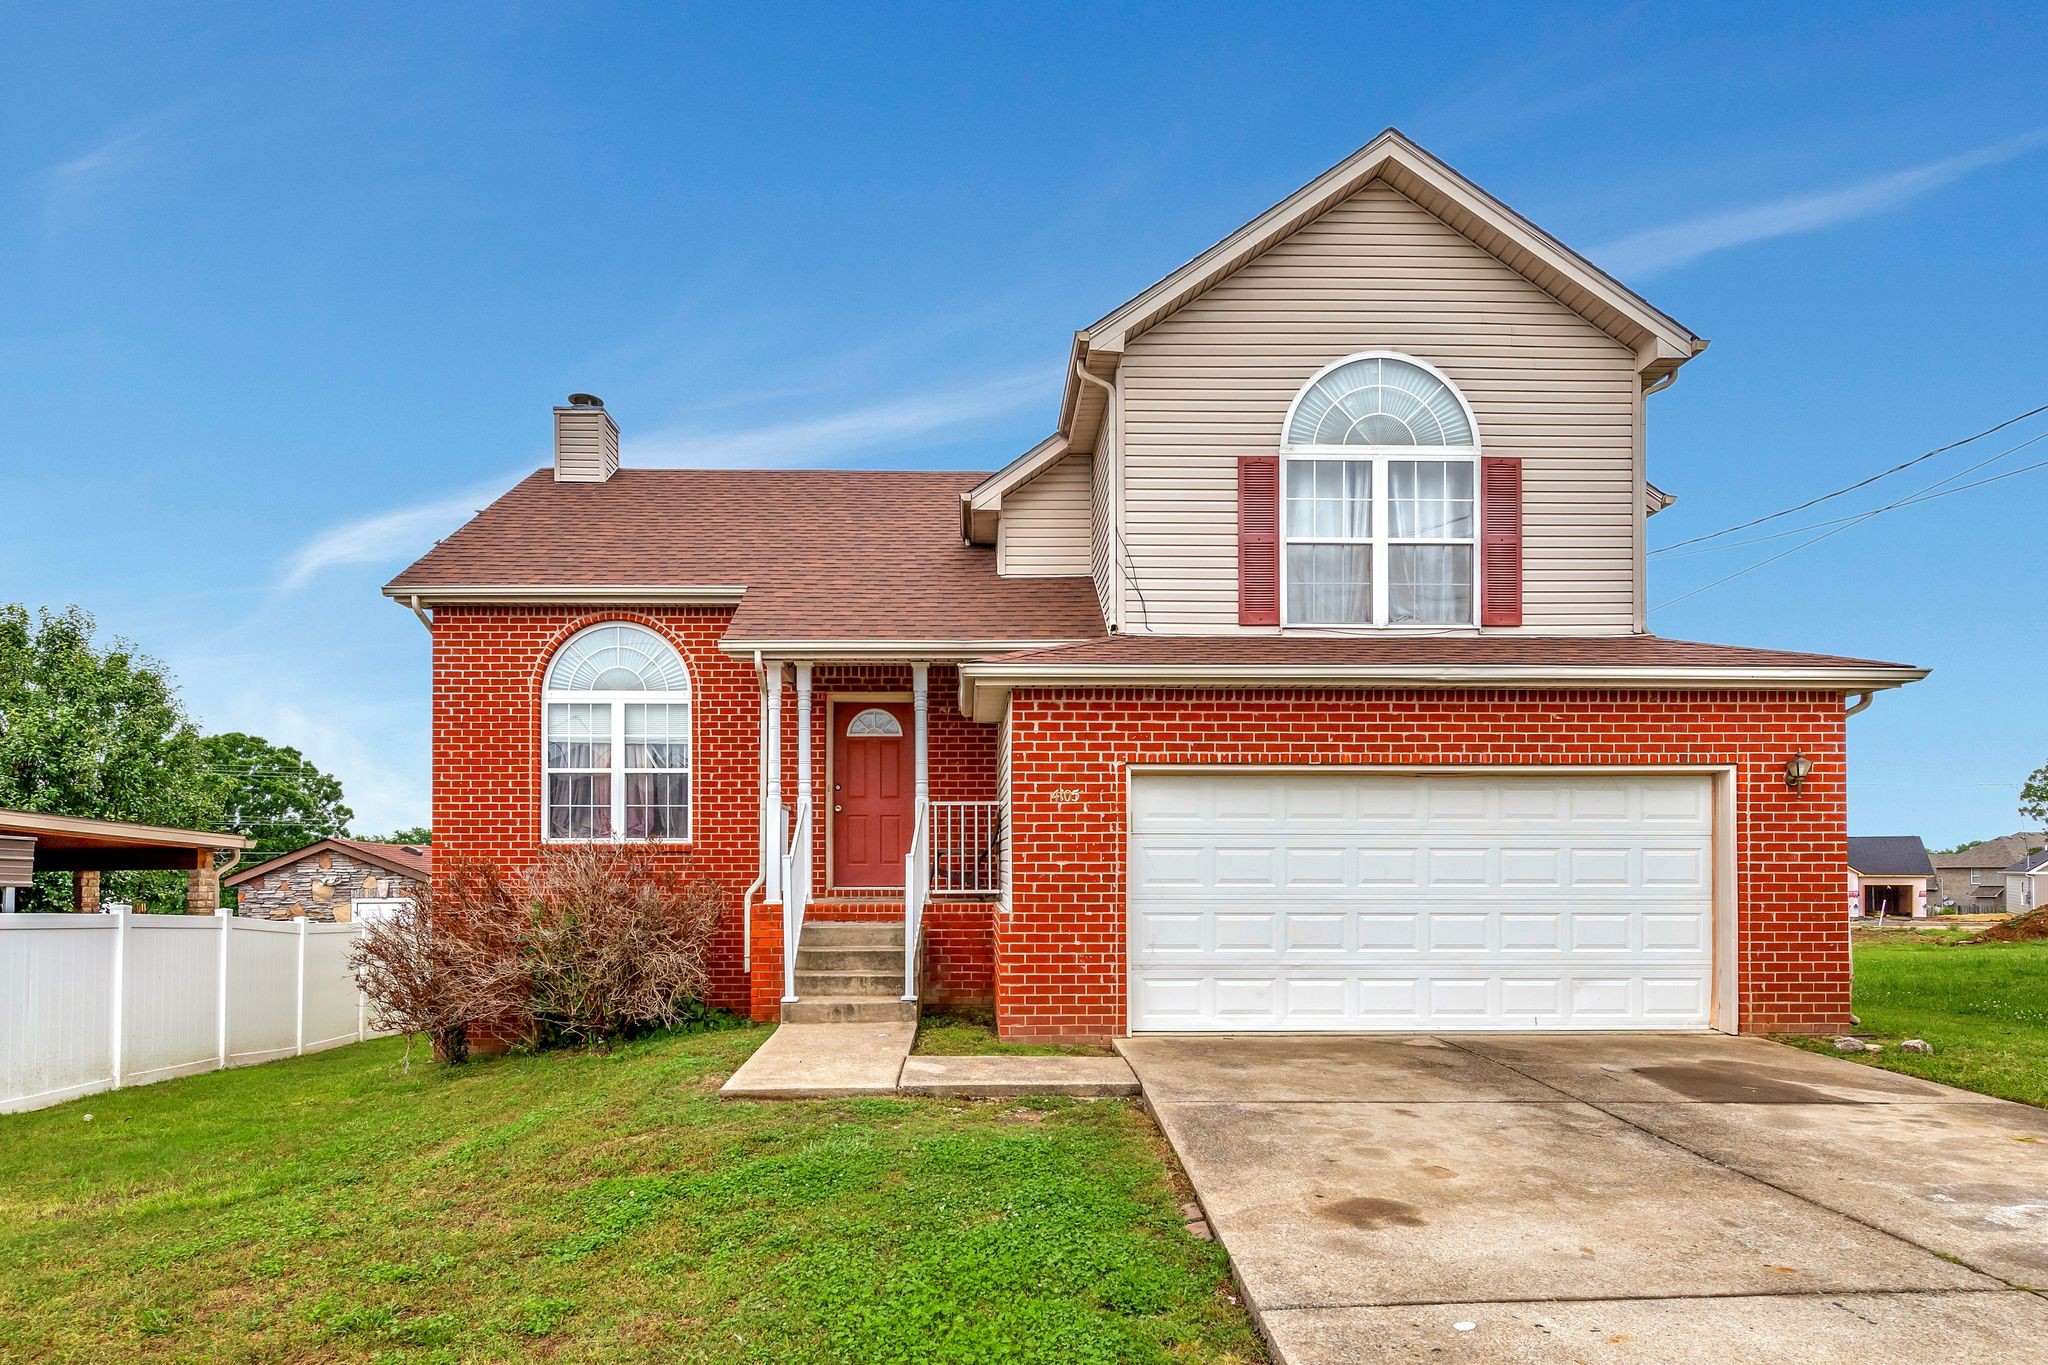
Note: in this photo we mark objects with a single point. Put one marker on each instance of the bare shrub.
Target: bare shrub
(436, 967)
(614, 943)
(591, 944)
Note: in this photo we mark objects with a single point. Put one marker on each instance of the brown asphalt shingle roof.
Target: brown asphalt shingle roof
(823, 554)
(411, 860)
(1598, 651)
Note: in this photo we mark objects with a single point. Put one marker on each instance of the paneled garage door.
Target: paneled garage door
(1339, 900)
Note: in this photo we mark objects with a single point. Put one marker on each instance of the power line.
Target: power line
(1926, 493)
(1861, 483)
(1913, 500)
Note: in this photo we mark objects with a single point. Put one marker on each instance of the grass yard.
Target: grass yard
(969, 1034)
(1983, 1006)
(581, 1207)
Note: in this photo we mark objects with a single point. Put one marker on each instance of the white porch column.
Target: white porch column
(772, 817)
(918, 674)
(803, 736)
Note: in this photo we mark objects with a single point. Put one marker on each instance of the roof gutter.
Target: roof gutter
(985, 686)
(567, 594)
(819, 651)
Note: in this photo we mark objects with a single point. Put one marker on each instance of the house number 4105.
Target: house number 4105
(1066, 796)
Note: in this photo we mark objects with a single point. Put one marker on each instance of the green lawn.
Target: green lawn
(973, 1034)
(1983, 1006)
(582, 1207)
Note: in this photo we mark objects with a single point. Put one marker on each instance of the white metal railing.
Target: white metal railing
(966, 848)
(796, 892)
(917, 881)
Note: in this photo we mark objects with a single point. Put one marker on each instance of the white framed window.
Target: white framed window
(615, 738)
(1379, 518)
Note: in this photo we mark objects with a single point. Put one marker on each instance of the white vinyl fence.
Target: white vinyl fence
(94, 1002)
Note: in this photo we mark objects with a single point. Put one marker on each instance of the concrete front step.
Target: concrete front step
(849, 1009)
(881, 959)
(851, 934)
(886, 985)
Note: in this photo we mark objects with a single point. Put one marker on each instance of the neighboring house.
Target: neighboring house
(1973, 879)
(2026, 883)
(324, 881)
(1298, 680)
(1889, 875)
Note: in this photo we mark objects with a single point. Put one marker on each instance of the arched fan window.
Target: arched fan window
(874, 723)
(617, 754)
(1379, 498)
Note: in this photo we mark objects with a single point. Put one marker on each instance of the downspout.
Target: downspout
(419, 611)
(1117, 552)
(1862, 702)
(760, 824)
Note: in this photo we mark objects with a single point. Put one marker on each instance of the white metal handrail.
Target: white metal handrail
(796, 893)
(966, 848)
(916, 887)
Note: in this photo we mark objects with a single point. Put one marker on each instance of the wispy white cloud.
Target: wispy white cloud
(72, 191)
(1664, 248)
(394, 536)
(385, 538)
(819, 439)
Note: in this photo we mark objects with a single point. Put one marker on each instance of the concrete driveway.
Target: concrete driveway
(1589, 1197)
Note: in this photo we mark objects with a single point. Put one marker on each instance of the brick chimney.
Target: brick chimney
(586, 441)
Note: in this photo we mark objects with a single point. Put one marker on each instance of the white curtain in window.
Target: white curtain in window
(1329, 585)
(1429, 500)
(1329, 499)
(617, 732)
(1429, 584)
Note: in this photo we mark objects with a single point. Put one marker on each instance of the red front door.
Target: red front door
(874, 778)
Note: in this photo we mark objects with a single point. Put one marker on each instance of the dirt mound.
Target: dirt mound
(2019, 929)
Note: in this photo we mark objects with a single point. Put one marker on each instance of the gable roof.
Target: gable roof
(818, 556)
(407, 860)
(1996, 853)
(1661, 343)
(1889, 855)
(2033, 862)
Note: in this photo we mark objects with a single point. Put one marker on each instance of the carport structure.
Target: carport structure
(31, 842)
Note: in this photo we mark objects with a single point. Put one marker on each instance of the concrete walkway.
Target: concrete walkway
(828, 1061)
(824, 1061)
(1607, 1197)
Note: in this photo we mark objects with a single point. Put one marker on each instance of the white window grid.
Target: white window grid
(1379, 540)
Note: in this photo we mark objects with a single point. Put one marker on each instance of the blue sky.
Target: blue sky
(290, 289)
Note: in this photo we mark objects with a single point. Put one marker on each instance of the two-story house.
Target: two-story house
(1300, 679)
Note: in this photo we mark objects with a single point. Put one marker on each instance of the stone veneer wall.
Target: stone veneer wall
(319, 887)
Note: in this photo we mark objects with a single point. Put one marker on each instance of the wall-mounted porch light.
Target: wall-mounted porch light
(1796, 769)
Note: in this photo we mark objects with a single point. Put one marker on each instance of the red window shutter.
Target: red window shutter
(1500, 541)
(1258, 540)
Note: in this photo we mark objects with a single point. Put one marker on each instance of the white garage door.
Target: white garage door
(1337, 900)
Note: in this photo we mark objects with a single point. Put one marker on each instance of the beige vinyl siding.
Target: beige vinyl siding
(586, 445)
(1045, 527)
(17, 860)
(1214, 380)
(1102, 519)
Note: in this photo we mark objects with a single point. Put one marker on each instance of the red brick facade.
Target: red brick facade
(489, 664)
(1054, 964)
(1060, 965)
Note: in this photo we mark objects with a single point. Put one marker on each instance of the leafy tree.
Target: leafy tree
(93, 731)
(411, 834)
(272, 794)
(2034, 795)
